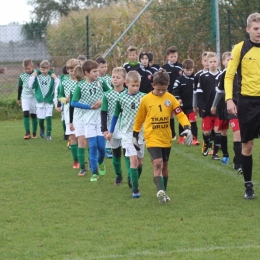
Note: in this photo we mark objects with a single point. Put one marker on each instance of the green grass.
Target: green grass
(48, 212)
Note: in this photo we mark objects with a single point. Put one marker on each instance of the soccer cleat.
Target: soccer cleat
(34, 135)
(118, 181)
(180, 140)
(167, 198)
(136, 194)
(109, 153)
(195, 141)
(48, 138)
(240, 171)
(82, 172)
(129, 182)
(68, 144)
(174, 138)
(225, 160)
(76, 165)
(42, 133)
(205, 149)
(102, 168)
(94, 177)
(211, 151)
(161, 196)
(249, 192)
(215, 157)
(27, 136)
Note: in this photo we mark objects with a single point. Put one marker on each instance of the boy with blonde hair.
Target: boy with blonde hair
(205, 95)
(45, 87)
(28, 99)
(126, 107)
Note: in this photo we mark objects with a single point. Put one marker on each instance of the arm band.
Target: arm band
(113, 124)
(80, 105)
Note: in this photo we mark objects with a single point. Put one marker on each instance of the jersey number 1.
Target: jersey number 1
(160, 107)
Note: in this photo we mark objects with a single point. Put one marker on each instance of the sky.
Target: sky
(15, 11)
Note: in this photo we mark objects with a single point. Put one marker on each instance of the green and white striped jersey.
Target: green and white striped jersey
(27, 93)
(44, 83)
(126, 108)
(88, 94)
(107, 79)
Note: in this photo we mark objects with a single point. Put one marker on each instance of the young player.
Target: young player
(219, 107)
(155, 112)
(67, 88)
(28, 100)
(174, 69)
(45, 87)
(102, 68)
(205, 97)
(87, 99)
(126, 107)
(132, 55)
(246, 62)
(146, 73)
(183, 92)
(107, 111)
(151, 62)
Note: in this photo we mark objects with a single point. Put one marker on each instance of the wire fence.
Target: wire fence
(188, 24)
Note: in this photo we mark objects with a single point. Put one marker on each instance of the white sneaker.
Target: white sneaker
(161, 196)
(167, 198)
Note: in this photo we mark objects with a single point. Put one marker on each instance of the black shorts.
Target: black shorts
(159, 152)
(248, 113)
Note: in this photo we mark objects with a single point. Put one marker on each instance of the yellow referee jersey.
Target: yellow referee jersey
(155, 112)
(248, 73)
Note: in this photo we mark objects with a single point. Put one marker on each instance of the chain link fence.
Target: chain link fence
(188, 24)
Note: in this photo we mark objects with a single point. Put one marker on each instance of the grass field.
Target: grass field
(48, 212)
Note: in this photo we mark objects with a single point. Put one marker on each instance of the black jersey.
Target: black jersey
(146, 74)
(183, 89)
(174, 70)
(156, 67)
(129, 67)
(206, 90)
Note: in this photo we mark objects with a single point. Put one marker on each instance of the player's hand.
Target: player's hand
(97, 105)
(53, 76)
(105, 134)
(188, 134)
(109, 136)
(213, 110)
(35, 73)
(71, 127)
(19, 103)
(135, 141)
(68, 99)
(180, 101)
(231, 107)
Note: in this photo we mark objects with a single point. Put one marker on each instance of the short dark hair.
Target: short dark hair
(101, 60)
(161, 77)
(150, 56)
(188, 64)
(142, 54)
(89, 65)
(172, 49)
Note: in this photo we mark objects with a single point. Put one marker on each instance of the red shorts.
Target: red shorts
(192, 117)
(223, 125)
(209, 122)
(234, 124)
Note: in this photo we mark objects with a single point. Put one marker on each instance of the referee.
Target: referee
(245, 60)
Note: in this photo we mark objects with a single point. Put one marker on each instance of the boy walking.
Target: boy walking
(102, 68)
(205, 96)
(154, 112)
(28, 100)
(132, 55)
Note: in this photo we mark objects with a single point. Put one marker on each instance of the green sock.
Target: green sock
(41, 124)
(64, 126)
(165, 181)
(134, 178)
(159, 183)
(117, 166)
(26, 122)
(34, 124)
(74, 152)
(140, 169)
(49, 125)
(81, 157)
(127, 164)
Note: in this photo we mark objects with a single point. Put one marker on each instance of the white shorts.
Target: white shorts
(68, 132)
(29, 105)
(113, 143)
(89, 130)
(131, 151)
(43, 112)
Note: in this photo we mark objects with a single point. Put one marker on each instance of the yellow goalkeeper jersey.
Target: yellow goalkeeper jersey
(155, 112)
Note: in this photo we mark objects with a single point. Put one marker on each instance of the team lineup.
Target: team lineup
(137, 106)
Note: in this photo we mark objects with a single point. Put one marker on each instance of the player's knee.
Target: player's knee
(33, 115)
(158, 163)
(26, 113)
(247, 148)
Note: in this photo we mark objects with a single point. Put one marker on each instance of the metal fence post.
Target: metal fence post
(87, 37)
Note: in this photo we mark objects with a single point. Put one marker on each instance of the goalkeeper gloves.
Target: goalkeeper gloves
(188, 134)
(135, 141)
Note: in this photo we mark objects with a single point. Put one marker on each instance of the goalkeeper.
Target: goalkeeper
(155, 111)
